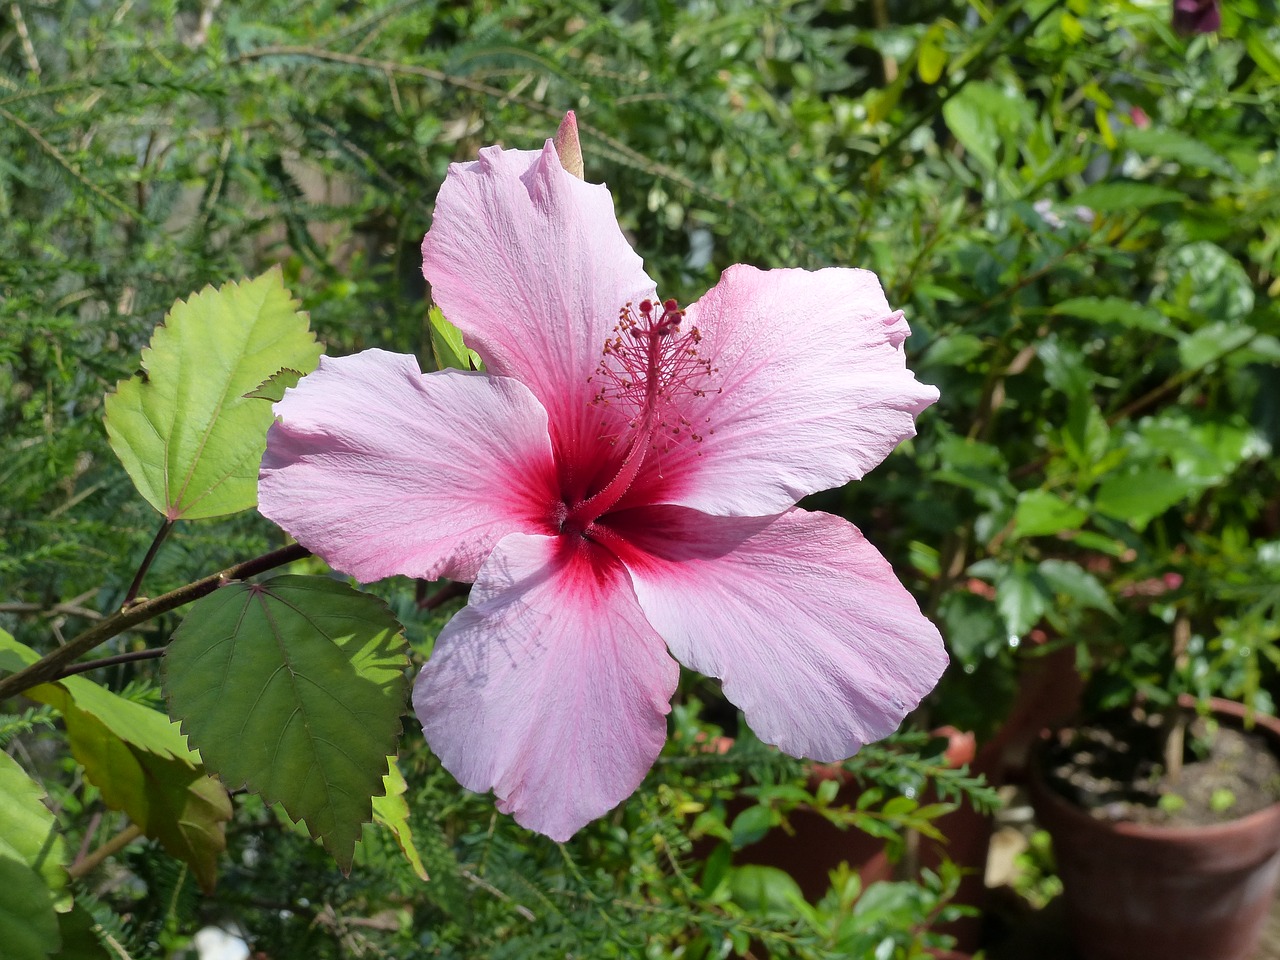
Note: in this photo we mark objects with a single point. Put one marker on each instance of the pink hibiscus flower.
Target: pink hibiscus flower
(620, 485)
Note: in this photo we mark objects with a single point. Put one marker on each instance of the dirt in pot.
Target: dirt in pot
(1114, 769)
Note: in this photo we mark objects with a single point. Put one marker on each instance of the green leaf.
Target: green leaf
(1113, 196)
(295, 687)
(1072, 580)
(971, 626)
(1140, 497)
(1181, 149)
(273, 387)
(392, 812)
(140, 761)
(750, 826)
(1022, 599)
(1213, 342)
(80, 939)
(189, 437)
(982, 116)
(932, 56)
(28, 921)
(447, 346)
(28, 831)
(1117, 310)
(1041, 513)
(766, 890)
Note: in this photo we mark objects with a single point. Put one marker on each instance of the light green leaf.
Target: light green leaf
(392, 812)
(140, 761)
(1176, 146)
(273, 387)
(1113, 196)
(1139, 497)
(28, 831)
(1117, 310)
(982, 116)
(28, 921)
(932, 55)
(294, 686)
(447, 346)
(766, 890)
(1041, 513)
(1214, 342)
(186, 433)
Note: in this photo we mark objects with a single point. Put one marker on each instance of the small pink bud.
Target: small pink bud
(569, 148)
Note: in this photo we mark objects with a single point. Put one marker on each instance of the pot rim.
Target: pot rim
(1258, 820)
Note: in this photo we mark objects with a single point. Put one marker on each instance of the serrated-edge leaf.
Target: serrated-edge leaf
(392, 811)
(274, 386)
(188, 437)
(294, 687)
(140, 761)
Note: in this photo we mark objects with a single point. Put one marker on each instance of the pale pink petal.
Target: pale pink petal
(529, 262)
(549, 687)
(814, 637)
(811, 390)
(380, 469)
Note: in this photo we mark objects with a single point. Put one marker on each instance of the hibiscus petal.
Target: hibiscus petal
(814, 637)
(380, 469)
(811, 391)
(529, 262)
(549, 687)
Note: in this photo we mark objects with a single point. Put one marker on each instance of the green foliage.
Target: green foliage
(187, 431)
(139, 760)
(294, 686)
(1078, 211)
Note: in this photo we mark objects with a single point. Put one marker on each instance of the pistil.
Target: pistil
(649, 366)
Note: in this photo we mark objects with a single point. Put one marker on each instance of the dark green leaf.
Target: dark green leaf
(295, 687)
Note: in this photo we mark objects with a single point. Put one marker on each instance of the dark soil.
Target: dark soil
(1114, 769)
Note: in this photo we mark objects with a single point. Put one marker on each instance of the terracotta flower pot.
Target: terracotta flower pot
(1142, 892)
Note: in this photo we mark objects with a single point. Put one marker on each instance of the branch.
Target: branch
(52, 665)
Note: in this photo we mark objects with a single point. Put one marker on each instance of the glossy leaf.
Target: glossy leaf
(295, 687)
(1041, 513)
(189, 437)
(1140, 497)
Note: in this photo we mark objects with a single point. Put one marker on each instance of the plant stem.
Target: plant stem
(1175, 721)
(52, 665)
(152, 653)
(165, 526)
(86, 865)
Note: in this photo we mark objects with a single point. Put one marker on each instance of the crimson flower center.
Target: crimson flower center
(650, 369)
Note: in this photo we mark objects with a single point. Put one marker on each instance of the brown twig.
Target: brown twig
(52, 665)
(151, 653)
(165, 526)
(86, 865)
